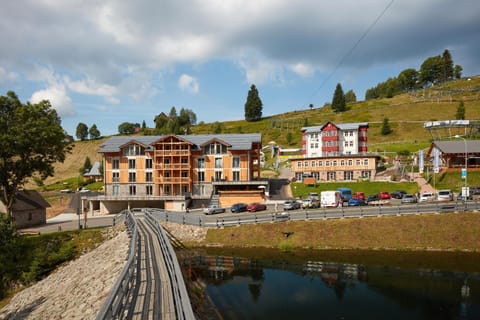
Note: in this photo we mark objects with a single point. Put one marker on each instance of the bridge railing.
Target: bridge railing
(183, 307)
(118, 299)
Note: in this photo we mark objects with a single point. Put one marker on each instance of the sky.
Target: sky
(110, 61)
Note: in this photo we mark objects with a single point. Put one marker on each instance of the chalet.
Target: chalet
(94, 172)
(176, 172)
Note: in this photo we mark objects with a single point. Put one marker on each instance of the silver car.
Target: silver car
(291, 205)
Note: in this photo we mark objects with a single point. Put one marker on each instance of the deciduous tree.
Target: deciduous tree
(94, 132)
(31, 141)
(82, 131)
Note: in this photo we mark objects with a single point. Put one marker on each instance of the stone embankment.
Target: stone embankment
(186, 233)
(76, 290)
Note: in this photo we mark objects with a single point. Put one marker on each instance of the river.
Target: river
(272, 284)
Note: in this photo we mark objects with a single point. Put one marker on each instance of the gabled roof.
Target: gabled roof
(28, 200)
(215, 140)
(457, 146)
(134, 141)
(94, 171)
(340, 126)
(235, 141)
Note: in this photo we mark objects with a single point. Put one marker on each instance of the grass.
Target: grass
(452, 180)
(446, 232)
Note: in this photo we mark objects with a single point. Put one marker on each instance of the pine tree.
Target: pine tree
(460, 115)
(386, 127)
(447, 66)
(338, 102)
(253, 105)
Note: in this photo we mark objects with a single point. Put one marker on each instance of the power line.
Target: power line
(340, 63)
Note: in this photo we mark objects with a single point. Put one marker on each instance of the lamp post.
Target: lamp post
(465, 191)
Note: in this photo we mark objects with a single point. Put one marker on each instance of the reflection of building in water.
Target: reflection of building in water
(331, 272)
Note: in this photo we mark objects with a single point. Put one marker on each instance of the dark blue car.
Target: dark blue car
(238, 207)
(356, 202)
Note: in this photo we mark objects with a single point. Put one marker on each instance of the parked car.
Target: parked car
(356, 202)
(291, 205)
(426, 197)
(313, 195)
(409, 198)
(445, 195)
(66, 191)
(372, 197)
(213, 209)
(384, 195)
(238, 207)
(310, 203)
(252, 207)
(398, 194)
(359, 195)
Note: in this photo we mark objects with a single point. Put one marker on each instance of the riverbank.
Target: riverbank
(432, 232)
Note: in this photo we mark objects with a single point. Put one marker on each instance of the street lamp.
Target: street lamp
(465, 191)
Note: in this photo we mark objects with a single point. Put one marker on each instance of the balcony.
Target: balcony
(184, 180)
(172, 166)
(168, 153)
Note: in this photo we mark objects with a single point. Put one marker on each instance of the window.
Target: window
(115, 164)
(299, 164)
(365, 174)
(132, 176)
(313, 163)
(311, 145)
(357, 162)
(134, 150)
(346, 143)
(334, 163)
(184, 174)
(184, 160)
(305, 164)
(236, 175)
(215, 148)
(365, 162)
(350, 162)
(132, 190)
(149, 190)
(327, 163)
(131, 163)
(201, 163)
(218, 163)
(351, 143)
(148, 176)
(331, 176)
(320, 163)
(115, 176)
(342, 163)
(115, 189)
(348, 175)
(201, 176)
(236, 162)
(148, 164)
(218, 175)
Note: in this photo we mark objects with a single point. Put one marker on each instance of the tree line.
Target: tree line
(434, 70)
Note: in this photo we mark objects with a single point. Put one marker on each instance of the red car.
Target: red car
(252, 207)
(384, 195)
(359, 195)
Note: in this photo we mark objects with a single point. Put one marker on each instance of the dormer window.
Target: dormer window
(133, 150)
(215, 148)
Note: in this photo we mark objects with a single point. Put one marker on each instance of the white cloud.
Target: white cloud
(188, 83)
(7, 76)
(305, 70)
(59, 99)
(259, 70)
(91, 87)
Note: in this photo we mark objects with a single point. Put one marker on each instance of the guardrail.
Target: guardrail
(313, 214)
(117, 300)
(183, 307)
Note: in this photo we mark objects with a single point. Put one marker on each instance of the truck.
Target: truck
(330, 198)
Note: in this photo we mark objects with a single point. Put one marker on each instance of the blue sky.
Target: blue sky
(107, 62)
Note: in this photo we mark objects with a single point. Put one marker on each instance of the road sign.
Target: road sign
(464, 173)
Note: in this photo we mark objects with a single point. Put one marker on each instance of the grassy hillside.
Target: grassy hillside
(406, 113)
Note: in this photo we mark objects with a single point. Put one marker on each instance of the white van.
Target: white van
(426, 197)
(330, 199)
(445, 195)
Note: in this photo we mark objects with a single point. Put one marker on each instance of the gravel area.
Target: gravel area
(76, 290)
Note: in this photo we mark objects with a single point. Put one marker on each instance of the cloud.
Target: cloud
(188, 83)
(59, 99)
(302, 69)
(7, 76)
(91, 87)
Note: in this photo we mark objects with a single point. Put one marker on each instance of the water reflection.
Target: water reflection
(247, 288)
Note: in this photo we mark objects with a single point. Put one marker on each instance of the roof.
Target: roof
(236, 141)
(95, 170)
(341, 126)
(28, 200)
(458, 146)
